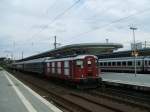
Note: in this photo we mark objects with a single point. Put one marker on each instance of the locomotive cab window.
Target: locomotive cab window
(79, 63)
(96, 62)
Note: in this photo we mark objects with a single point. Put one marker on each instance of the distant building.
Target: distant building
(2, 60)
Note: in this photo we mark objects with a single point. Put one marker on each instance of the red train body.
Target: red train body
(79, 69)
(76, 69)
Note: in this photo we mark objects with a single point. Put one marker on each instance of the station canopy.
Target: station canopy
(128, 53)
(75, 49)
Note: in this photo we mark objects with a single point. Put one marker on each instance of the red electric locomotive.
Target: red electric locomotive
(79, 69)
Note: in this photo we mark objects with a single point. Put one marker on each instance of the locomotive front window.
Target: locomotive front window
(79, 63)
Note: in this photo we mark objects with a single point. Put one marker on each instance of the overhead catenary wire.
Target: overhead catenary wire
(58, 16)
(51, 6)
(112, 22)
(98, 28)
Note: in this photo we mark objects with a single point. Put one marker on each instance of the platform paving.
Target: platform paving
(127, 78)
(17, 97)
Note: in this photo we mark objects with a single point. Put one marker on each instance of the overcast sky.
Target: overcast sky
(29, 26)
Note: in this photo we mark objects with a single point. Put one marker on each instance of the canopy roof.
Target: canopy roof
(74, 49)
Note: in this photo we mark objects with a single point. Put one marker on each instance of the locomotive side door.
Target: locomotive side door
(90, 64)
(78, 72)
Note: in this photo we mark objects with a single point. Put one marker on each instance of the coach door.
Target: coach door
(48, 69)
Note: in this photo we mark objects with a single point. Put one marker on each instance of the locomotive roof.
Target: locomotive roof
(72, 58)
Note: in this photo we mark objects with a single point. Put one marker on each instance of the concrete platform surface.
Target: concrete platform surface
(127, 78)
(17, 97)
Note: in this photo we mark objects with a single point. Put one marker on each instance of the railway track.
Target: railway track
(124, 97)
(93, 100)
(76, 101)
(136, 96)
(56, 98)
(67, 100)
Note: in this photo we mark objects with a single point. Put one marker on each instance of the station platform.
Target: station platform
(17, 97)
(127, 78)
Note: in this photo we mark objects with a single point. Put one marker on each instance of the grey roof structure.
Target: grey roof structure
(83, 48)
(128, 53)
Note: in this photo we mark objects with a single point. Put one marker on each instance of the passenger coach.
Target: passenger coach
(80, 69)
(125, 64)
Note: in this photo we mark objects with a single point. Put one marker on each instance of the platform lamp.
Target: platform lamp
(134, 53)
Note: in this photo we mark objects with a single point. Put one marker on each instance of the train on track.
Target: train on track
(125, 64)
(78, 70)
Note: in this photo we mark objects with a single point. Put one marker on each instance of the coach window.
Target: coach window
(105, 63)
(123, 63)
(53, 64)
(118, 63)
(113, 63)
(66, 64)
(139, 63)
(59, 67)
(129, 63)
(79, 63)
(48, 64)
(148, 63)
(53, 67)
(109, 63)
(145, 63)
(101, 63)
(58, 64)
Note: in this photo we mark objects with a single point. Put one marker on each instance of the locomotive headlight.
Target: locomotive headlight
(82, 75)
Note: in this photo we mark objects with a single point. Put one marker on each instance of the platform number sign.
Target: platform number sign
(135, 53)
